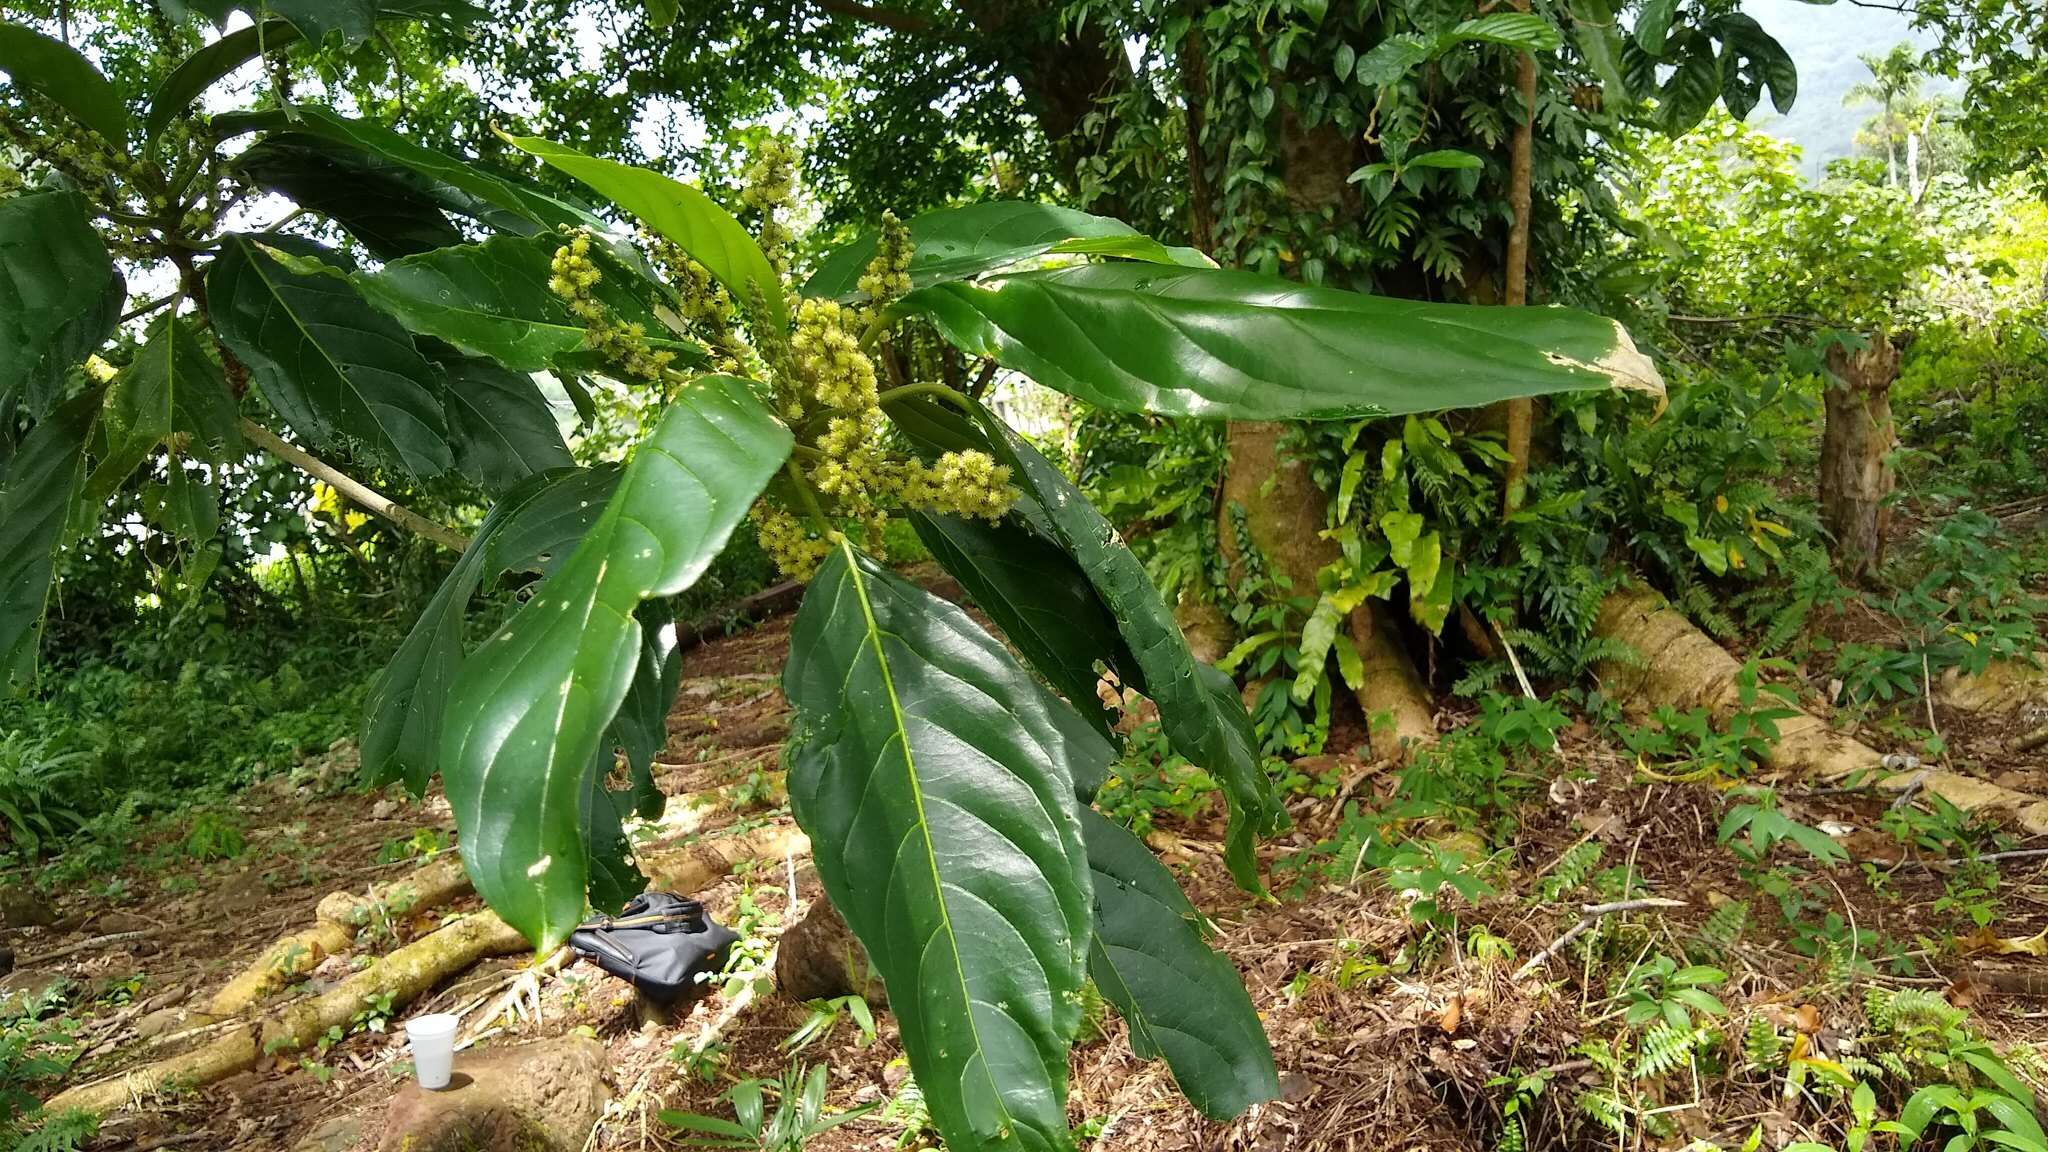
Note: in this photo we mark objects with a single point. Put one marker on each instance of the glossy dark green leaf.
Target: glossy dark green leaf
(73, 342)
(1037, 595)
(54, 276)
(531, 706)
(184, 506)
(544, 534)
(56, 70)
(334, 367)
(1524, 31)
(1693, 86)
(1181, 1000)
(501, 425)
(1238, 345)
(171, 392)
(942, 820)
(608, 854)
(492, 299)
(204, 68)
(354, 19)
(500, 201)
(640, 730)
(41, 484)
(685, 216)
(387, 207)
(534, 524)
(1199, 708)
(1653, 24)
(1751, 60)
(960, 243)
(1391, 59)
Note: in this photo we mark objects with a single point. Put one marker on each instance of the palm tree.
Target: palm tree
(1894, 81)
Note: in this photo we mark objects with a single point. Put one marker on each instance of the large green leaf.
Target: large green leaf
(536, 522)
(171, 391)
(503, 428)
(333, 367)
(687, 217)
(960, 243)
(204, 68)
(387, 207)
(1241, 346)
(42, 482)
(492, 299)
(74, 341)
(640, 730)
(927, 768)
(530, 707)
(609, 855)
(1695, 83)
(1199, 708)
(1037, 595)
(58, 72)
(1751, 60)
(354, 19)
(54, 277)
(500, 201)
(1182, 1000)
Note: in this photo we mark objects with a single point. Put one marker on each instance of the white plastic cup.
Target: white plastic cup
(432, 1040)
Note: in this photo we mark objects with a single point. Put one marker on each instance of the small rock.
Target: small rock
(118, 921)
(540, 1097)
(384, 809)
(336, 1134)
(162, 1022)
(24, 907)
(31, 984)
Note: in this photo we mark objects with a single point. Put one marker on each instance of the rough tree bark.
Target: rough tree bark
(1854, 475)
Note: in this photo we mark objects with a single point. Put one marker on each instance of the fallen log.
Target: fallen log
(1684, 668)
(338, 918)
(403, 976)
(690, 868)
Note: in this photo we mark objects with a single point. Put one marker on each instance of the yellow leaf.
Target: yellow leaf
(1720, 503)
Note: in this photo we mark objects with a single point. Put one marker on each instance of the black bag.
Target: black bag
(659, 944)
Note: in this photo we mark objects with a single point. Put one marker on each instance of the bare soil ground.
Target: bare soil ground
(1386, 1037)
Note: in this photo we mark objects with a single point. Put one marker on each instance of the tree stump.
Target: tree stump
(1859, 435)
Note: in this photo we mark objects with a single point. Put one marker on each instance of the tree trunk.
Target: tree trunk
(1521, 412)
(1854, 475)
(1284, 516)
(1194, 76)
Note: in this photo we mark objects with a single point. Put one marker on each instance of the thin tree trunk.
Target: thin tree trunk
(1194, 76)
(1855, 477)
(1521, 413)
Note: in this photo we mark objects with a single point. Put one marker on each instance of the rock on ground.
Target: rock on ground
(539, 1097)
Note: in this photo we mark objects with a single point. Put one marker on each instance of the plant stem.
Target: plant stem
(939, 391)
(808, 497)
(354, 489)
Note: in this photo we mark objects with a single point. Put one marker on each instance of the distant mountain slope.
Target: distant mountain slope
(1824, 40)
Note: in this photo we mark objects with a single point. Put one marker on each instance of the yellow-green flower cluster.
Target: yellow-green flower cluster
(771, 190)
(887, 278)
(787, 542)
(825, 355)
(572, 276)
(706, 305)
(963, 483)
